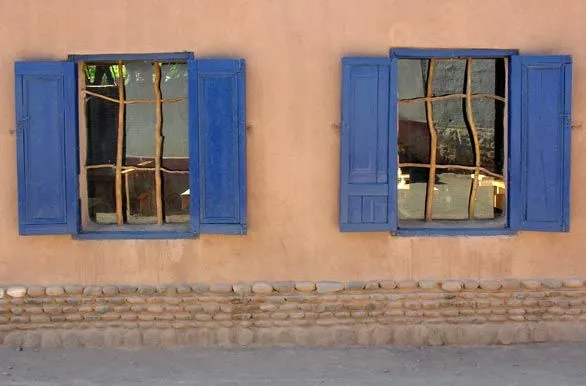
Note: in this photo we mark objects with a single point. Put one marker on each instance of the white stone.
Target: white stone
(305, 286)
(329, 286)
(16, 292)
(262, 288)
(242, 288)
(452, 285)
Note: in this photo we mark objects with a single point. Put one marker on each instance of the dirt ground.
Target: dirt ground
(543, 364)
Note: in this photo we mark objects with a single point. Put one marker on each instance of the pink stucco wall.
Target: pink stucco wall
(293, 51)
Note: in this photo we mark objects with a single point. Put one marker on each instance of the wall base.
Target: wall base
(376, 313)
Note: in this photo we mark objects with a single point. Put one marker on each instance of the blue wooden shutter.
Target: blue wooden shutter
(220, 127)
(368, 162)
(46, 138)
(540, 129)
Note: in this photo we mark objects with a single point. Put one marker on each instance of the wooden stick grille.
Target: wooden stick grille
(120, 144)
(468, 97)
(122, 171)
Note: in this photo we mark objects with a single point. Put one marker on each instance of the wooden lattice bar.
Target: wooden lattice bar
(158, 143)
(433, 141)
(135, 101)
(468, 97)
(475, 140)
(452, 96)
(135, 168)
(454, 167)
(120, 144)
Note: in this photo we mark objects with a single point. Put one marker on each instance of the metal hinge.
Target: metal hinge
(21, 124)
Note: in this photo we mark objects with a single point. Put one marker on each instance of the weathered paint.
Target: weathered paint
(293, 51)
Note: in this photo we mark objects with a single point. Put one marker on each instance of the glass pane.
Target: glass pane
(140, 132)
(449, 76)
(490, 198)
(177, 197)
(499, 191)
(139, 80)
(484, 76)
(412, 78)
(102, 128)
(451, 195)
(140, 197)
(454, 138)
(99, 76)
(488, 117)
(413, 141)
(101, 196)
(174, 80)
(176, 144)
(411, 192)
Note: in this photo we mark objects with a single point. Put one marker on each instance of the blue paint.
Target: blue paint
(446, 232)
(540, 143)
(366, 196)
(46, 147)
(165, 56)
(133, 235)
(221, 132)
(393, 203)
(193, 134)
(422, 53)
(224, 229)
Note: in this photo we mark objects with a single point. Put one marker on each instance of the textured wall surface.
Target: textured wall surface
(304, 313)
(293, 51)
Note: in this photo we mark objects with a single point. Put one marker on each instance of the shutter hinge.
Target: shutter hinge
(21, 124)
(567, 120)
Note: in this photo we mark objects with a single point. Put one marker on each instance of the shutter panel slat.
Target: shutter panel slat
(222, 145)
(540, 143)
(367, 199)
(46, 147)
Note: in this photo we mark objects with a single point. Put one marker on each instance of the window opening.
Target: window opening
(136, 156)
(452, 120)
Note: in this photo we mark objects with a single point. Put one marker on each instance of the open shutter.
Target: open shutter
(368, 163)
(540, 129)
(221, 144)
(46, 138)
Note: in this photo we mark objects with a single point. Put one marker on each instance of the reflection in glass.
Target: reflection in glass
(454, 185)
(138, 185)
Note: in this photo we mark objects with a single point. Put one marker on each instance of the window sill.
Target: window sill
(437, 232)
(135, 235)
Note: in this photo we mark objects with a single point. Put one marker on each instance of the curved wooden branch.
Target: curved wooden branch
(133, 168)
(454, 167)
(433, 141)
(135, 101)
(452, 96)
(120, 144)
(475, 140)
(158, 143)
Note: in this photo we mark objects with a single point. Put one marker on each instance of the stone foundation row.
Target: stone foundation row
(264, 288)
(303, 313)
(314, 336)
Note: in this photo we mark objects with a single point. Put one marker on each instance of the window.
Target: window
(451, 142)
(137, 158)
(477, 141)
(131, 146)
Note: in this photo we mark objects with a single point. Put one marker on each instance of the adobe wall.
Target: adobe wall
(293, 51)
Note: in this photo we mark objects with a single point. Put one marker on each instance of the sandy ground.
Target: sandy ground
(545, 364)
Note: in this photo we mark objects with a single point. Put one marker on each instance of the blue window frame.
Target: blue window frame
(48, 148)
(536, 157)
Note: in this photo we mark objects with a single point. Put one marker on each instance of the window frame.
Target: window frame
(423, 53)
(126, 231)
